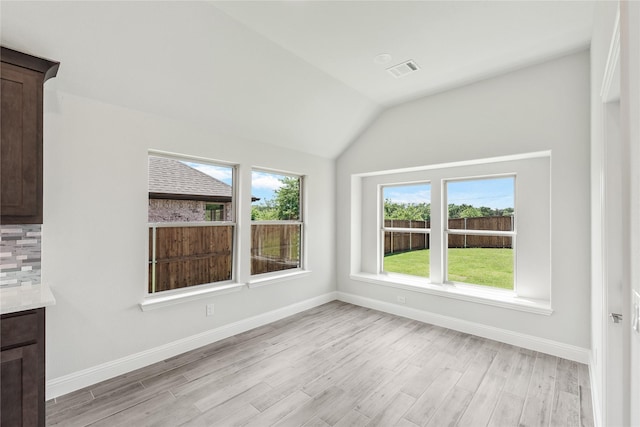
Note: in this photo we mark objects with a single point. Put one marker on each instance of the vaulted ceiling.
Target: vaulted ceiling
(305, 75)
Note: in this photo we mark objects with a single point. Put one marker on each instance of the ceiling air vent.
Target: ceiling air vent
(403, 69)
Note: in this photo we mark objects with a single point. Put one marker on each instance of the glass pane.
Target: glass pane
(406, 253)
(481, 204)
(407, 206)
(184, 191)
(406, 202)
(189, 256)
(403, 242)
(488, 261)
(274, 197)
(275, 247)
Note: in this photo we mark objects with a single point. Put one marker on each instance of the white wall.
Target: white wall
(190, 61)
(95, 231)
(543, 107)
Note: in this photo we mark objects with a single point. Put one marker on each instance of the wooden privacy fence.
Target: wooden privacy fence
(403, 242)
(194, 255)
(274, 247)
(189, 256)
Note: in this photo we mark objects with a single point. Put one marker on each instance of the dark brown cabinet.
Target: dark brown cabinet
(22, 392)
(22, 79)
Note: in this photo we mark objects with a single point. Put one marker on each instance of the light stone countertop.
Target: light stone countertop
(20, 298)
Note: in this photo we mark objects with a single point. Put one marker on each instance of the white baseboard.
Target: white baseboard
(543, 345)
(77, 380)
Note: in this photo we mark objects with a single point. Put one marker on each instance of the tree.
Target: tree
(407, 211)
(485, 211)
(285, 205)
(470, 212)
(455, 211)
(507, 212)
(288, 199)
(264, 212)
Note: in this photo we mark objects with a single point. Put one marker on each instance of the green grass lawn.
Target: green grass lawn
(479, 266)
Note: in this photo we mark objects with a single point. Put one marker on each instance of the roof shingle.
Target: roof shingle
(172, 177)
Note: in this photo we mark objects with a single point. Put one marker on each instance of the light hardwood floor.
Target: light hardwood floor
(341, 365)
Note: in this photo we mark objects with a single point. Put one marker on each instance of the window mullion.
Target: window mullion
(407, 230)
(153, 261)
(436, 257)
(458, 231)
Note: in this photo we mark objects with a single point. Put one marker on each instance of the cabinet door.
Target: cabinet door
(19, 398)
(21, 146)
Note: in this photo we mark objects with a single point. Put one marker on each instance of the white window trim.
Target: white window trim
(446, 231)
(259, 280)
(238, 282)
(461, 291)
(472, 293)
(384, 229)
(189, 293)
(442, 227)
(262, 279)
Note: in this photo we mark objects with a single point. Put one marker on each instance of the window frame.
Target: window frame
(267, 277)
(442, 227)
(446, 231)
(384, 229)
(164, 297)
(534, 220)
(155, 225)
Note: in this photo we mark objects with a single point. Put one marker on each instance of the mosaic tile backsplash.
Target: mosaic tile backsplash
(20, 254)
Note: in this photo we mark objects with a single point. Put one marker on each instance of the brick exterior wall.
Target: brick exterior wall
(165, 210)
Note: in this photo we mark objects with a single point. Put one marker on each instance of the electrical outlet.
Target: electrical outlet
(210, 310)
(402, 300)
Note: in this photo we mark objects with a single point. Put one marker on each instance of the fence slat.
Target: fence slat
(275, 247)
(188, 256)
(402, 242)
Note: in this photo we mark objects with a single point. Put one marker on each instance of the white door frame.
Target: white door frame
(614, 229)
(630, 121)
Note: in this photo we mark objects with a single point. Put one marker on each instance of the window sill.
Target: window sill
(153, 302)
(492, 297)
(269, 278)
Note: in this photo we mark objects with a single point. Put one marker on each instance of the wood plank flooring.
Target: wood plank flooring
(340, 365)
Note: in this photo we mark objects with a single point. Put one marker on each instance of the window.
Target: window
(191, 223)
(405, 229)
(215, 212)
(277, 222)
(487, 230)
(480, 231)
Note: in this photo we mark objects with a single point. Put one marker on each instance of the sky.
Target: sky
(263, 184)
(495, 193)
